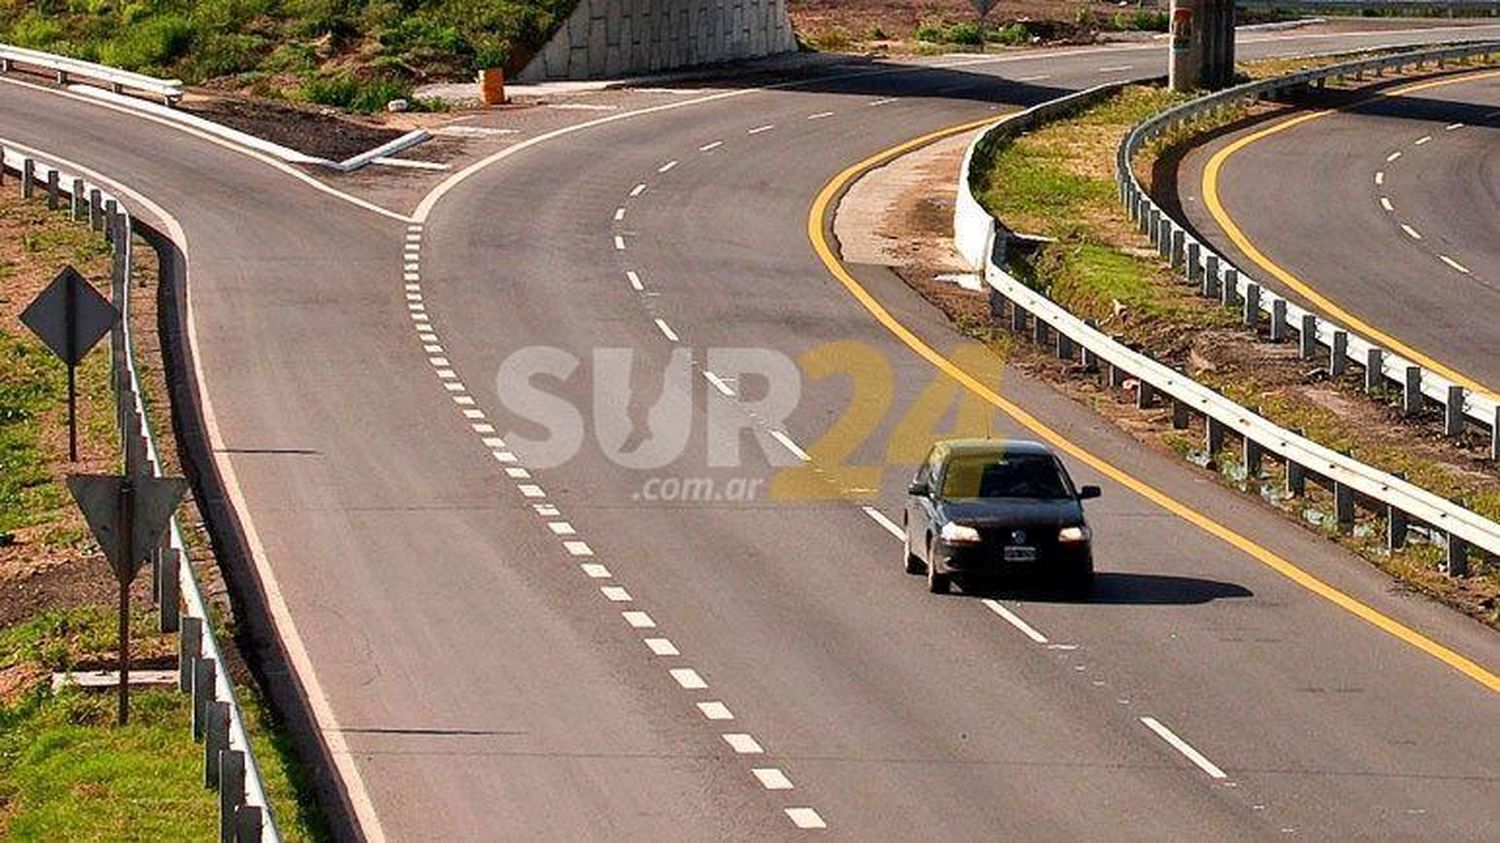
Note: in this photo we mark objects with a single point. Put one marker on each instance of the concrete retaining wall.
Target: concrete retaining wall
(604, 39)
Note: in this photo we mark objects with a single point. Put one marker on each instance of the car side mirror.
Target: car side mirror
(1086, 492)
(919, 489)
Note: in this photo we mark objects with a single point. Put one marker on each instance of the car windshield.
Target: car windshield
(1034, 476)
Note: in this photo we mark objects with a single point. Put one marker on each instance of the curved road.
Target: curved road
(502, 640)
(1393, 218)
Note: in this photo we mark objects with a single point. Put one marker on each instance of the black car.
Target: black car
(994, 507)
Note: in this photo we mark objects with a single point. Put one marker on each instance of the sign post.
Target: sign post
(70, 316)
(128, 517)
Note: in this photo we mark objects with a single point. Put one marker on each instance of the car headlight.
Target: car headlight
(1074, 534)
(959, 534)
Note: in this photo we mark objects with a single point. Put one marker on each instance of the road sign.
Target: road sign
(120, 509)
(983, 7)
(128, 516)
(69, 317)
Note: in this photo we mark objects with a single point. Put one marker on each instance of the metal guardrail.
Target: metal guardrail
(1318, 337)
(229, 760)
(1404, 505)
(169, 91)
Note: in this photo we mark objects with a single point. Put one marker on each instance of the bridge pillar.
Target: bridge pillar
(1202, 44)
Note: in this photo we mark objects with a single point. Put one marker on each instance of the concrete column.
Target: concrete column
(1187, 67)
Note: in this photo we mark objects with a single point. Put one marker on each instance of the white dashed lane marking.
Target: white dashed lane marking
(742, 743)
(786, 442)
(1393, 156)
(616, 594)
(619, 214)
(593, 570)
(890, 526)
(619, 243)
(1454, 264)
(578, 548)
(662, 647)
(710, 146)
(1410, 232)
(1015, 620)
(688, 678)
(637, 190)
(1385, 203)
(1423, 139)
(561, 528)
(715, 710)
(667, 166)
(666, 329)
(771, 778)
(1183, 747)
(1451, 126)
(758, 129)
(820, 115)
(639, 620)
(805, 818)
(880, 102)
(1115, 69)
(635, 281)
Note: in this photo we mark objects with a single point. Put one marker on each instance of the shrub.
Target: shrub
(931, 30)
(35, 30)
(969, 33)
(222, 54)
(150, 45)
(1014, 35)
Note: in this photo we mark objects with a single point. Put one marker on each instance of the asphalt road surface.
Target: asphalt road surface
(1386, 208)
(511, 640)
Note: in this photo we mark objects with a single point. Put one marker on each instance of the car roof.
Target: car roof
(990, 447)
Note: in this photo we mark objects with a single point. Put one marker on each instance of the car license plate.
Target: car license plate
(1020, 554)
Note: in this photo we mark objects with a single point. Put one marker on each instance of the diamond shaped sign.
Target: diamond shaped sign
(152, 500)
(70, 316)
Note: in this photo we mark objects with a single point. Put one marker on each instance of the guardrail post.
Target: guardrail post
(1145, 394)
(1453, 415)
(1179, 243)
(1116, 376)
(1064, 346)
(4, 65)
(1396, 525)
(171, 589)
(997, 305)
(62, 77)
(1254, 456)
(1495, 434)
(1338, 353)
(1251, 316)
(28, 178)
(1374, 365)
(1229, 292)
(215, 741)
(1211, 276)
(96, 209)
(1142, 214)
(231, 790)
(1278, 319)
(1307, 338)
(1038, 331)
(1090, 359)
(1194, 268)
(1164, 236)
(1017, 316)
(77, 201)
(1213, 437)
(248, 823)
(54, 189)
(1456, 560)
(1411, 392)
(1180, 414)
(203, 693)
(1296, 479)
(110, 208)
(1343, 506)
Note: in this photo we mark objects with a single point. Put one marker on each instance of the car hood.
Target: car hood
(1011, 512)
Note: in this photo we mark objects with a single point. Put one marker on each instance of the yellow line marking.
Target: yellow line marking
(816, 234)
(1329, 306)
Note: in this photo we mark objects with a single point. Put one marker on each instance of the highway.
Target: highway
(1392, 229)
(499, 641)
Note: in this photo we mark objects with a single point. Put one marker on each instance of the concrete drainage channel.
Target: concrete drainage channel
(229, 761)
(1403, 505)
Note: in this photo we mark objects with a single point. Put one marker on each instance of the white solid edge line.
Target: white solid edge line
(890, 526)
(1015, 620)
(1454, 264)
(262, 157)
(1185, 748)
(805, 818)
(666, 329)
(786, 442)
(317, 698)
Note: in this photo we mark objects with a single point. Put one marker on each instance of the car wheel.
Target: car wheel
(913, 562)
(937, 582)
